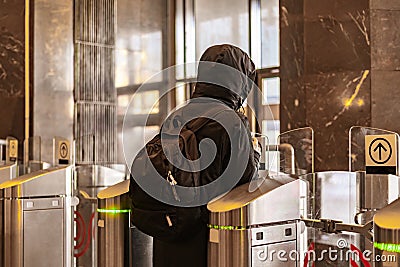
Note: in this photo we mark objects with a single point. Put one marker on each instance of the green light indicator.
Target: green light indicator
(226, 227)
(387, 247)
(112, 211)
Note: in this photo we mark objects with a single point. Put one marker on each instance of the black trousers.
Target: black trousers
(189, 253)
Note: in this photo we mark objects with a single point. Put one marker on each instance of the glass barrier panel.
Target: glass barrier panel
(296, 151)
(332, 195)
(264, 164)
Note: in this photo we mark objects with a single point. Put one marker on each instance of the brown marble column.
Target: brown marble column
(385, 64)
(326, 73)
(12, 72)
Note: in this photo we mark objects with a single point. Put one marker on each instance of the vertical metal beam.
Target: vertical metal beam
(170, 52)
(190, 33)
(27, 78)
(255, 31)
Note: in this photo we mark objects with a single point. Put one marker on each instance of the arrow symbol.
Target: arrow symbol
(64, 150)
(379, 147)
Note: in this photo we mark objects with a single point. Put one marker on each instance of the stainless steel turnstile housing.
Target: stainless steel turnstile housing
(91, 179)
(120, 244)
(7, 172)
(245, 226)
(38, 219)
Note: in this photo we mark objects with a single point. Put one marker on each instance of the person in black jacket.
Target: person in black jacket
(230, 89)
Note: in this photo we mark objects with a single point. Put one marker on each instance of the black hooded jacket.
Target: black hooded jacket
(225, 76)
(230, 85)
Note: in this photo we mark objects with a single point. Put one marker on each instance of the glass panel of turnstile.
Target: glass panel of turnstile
(38, 219)
(332, 196)
(296, 151)
(33, 155)
(339, 196)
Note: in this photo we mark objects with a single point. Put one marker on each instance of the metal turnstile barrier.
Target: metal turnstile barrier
(387, 233)
(91, 179)
(7, 172)
(38, 219)
(119, 243)
(246, 226)
(348, 202)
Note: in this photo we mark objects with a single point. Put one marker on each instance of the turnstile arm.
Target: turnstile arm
(334, 226)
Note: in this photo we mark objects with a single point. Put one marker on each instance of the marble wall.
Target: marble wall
(293, 95)
(340, 66)
(325, 73)
(12, 73)
(385, 64)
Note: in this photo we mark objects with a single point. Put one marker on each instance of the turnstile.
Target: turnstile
(120, 244)
(91, 179)
(38, 219)
(7, 172)
(387, 234)
(246, 226)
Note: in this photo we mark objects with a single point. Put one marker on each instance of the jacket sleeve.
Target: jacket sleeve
(243, 134)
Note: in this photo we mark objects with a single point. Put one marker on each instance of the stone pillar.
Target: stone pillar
(385, 64)
(12, 69)
(326, 73)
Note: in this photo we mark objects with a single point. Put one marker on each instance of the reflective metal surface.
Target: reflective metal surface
(242, 223)
(119, 244)
(112, 229)
(387, 231)
(53, 73)
(53, 181)
(99, 176)
(92, 179)
(94, 84)
(260, 257)
(7, 172)
(351, 197)
(375, 191)
(141, 251)
(333, 195)
(387, 224)
(38, 219)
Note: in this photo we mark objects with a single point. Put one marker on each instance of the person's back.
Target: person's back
(225, 77)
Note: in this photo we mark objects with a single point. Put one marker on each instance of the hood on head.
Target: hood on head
(229, 81)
